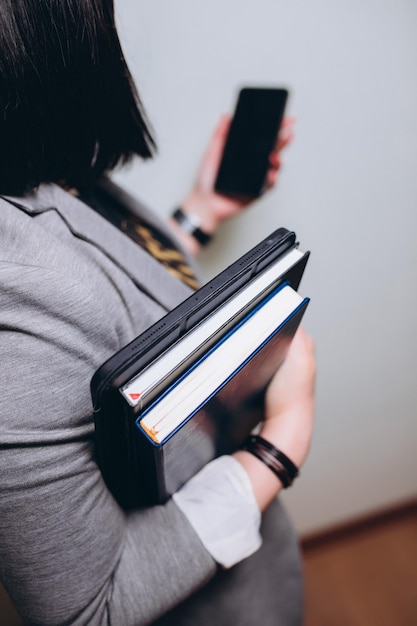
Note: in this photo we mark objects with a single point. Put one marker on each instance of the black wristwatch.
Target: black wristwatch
(191, 225)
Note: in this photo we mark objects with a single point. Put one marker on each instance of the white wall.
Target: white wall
(348, 188)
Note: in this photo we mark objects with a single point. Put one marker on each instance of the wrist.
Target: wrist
(189, 224)
(289, 433)
(200, 207)
(265, 485)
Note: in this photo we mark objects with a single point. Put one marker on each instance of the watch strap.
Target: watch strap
(275, 459)
(189, 224)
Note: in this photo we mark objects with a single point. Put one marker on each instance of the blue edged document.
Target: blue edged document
(217, 402)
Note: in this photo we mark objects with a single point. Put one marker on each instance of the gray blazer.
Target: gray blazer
(74, 290)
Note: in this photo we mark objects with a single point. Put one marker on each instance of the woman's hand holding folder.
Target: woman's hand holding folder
(289, 417)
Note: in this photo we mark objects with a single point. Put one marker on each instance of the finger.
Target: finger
(215, 147)
(220, 132)
(288, 121)
(213, 153)
(275, 160)
(286, 133)
(223, 124)
(272, 175)
(271, 178)
(283, 140)
(303, 341)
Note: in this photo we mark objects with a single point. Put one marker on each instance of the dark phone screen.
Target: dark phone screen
(252, 136)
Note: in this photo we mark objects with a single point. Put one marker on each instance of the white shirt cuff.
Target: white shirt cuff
(220, 505)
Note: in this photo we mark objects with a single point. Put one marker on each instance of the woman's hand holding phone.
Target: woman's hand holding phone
(210, 204)
(211, 207)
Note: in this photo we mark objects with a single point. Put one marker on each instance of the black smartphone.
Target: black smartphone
(252, 136)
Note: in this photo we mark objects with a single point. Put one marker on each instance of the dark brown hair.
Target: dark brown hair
(69, 108)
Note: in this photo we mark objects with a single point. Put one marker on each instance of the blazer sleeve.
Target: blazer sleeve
(68, 553)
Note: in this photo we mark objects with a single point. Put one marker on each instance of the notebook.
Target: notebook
(132, 382)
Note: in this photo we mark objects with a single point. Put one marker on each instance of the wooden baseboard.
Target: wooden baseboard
(360, 524)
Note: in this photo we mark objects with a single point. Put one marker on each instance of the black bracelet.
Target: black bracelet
(277, 461)
(190, 225)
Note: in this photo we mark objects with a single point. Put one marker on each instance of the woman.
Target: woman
(77, 283)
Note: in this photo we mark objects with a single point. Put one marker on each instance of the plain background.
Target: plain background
(348, 187)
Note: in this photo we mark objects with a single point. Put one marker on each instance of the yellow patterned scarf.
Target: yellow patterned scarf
(152, 241)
